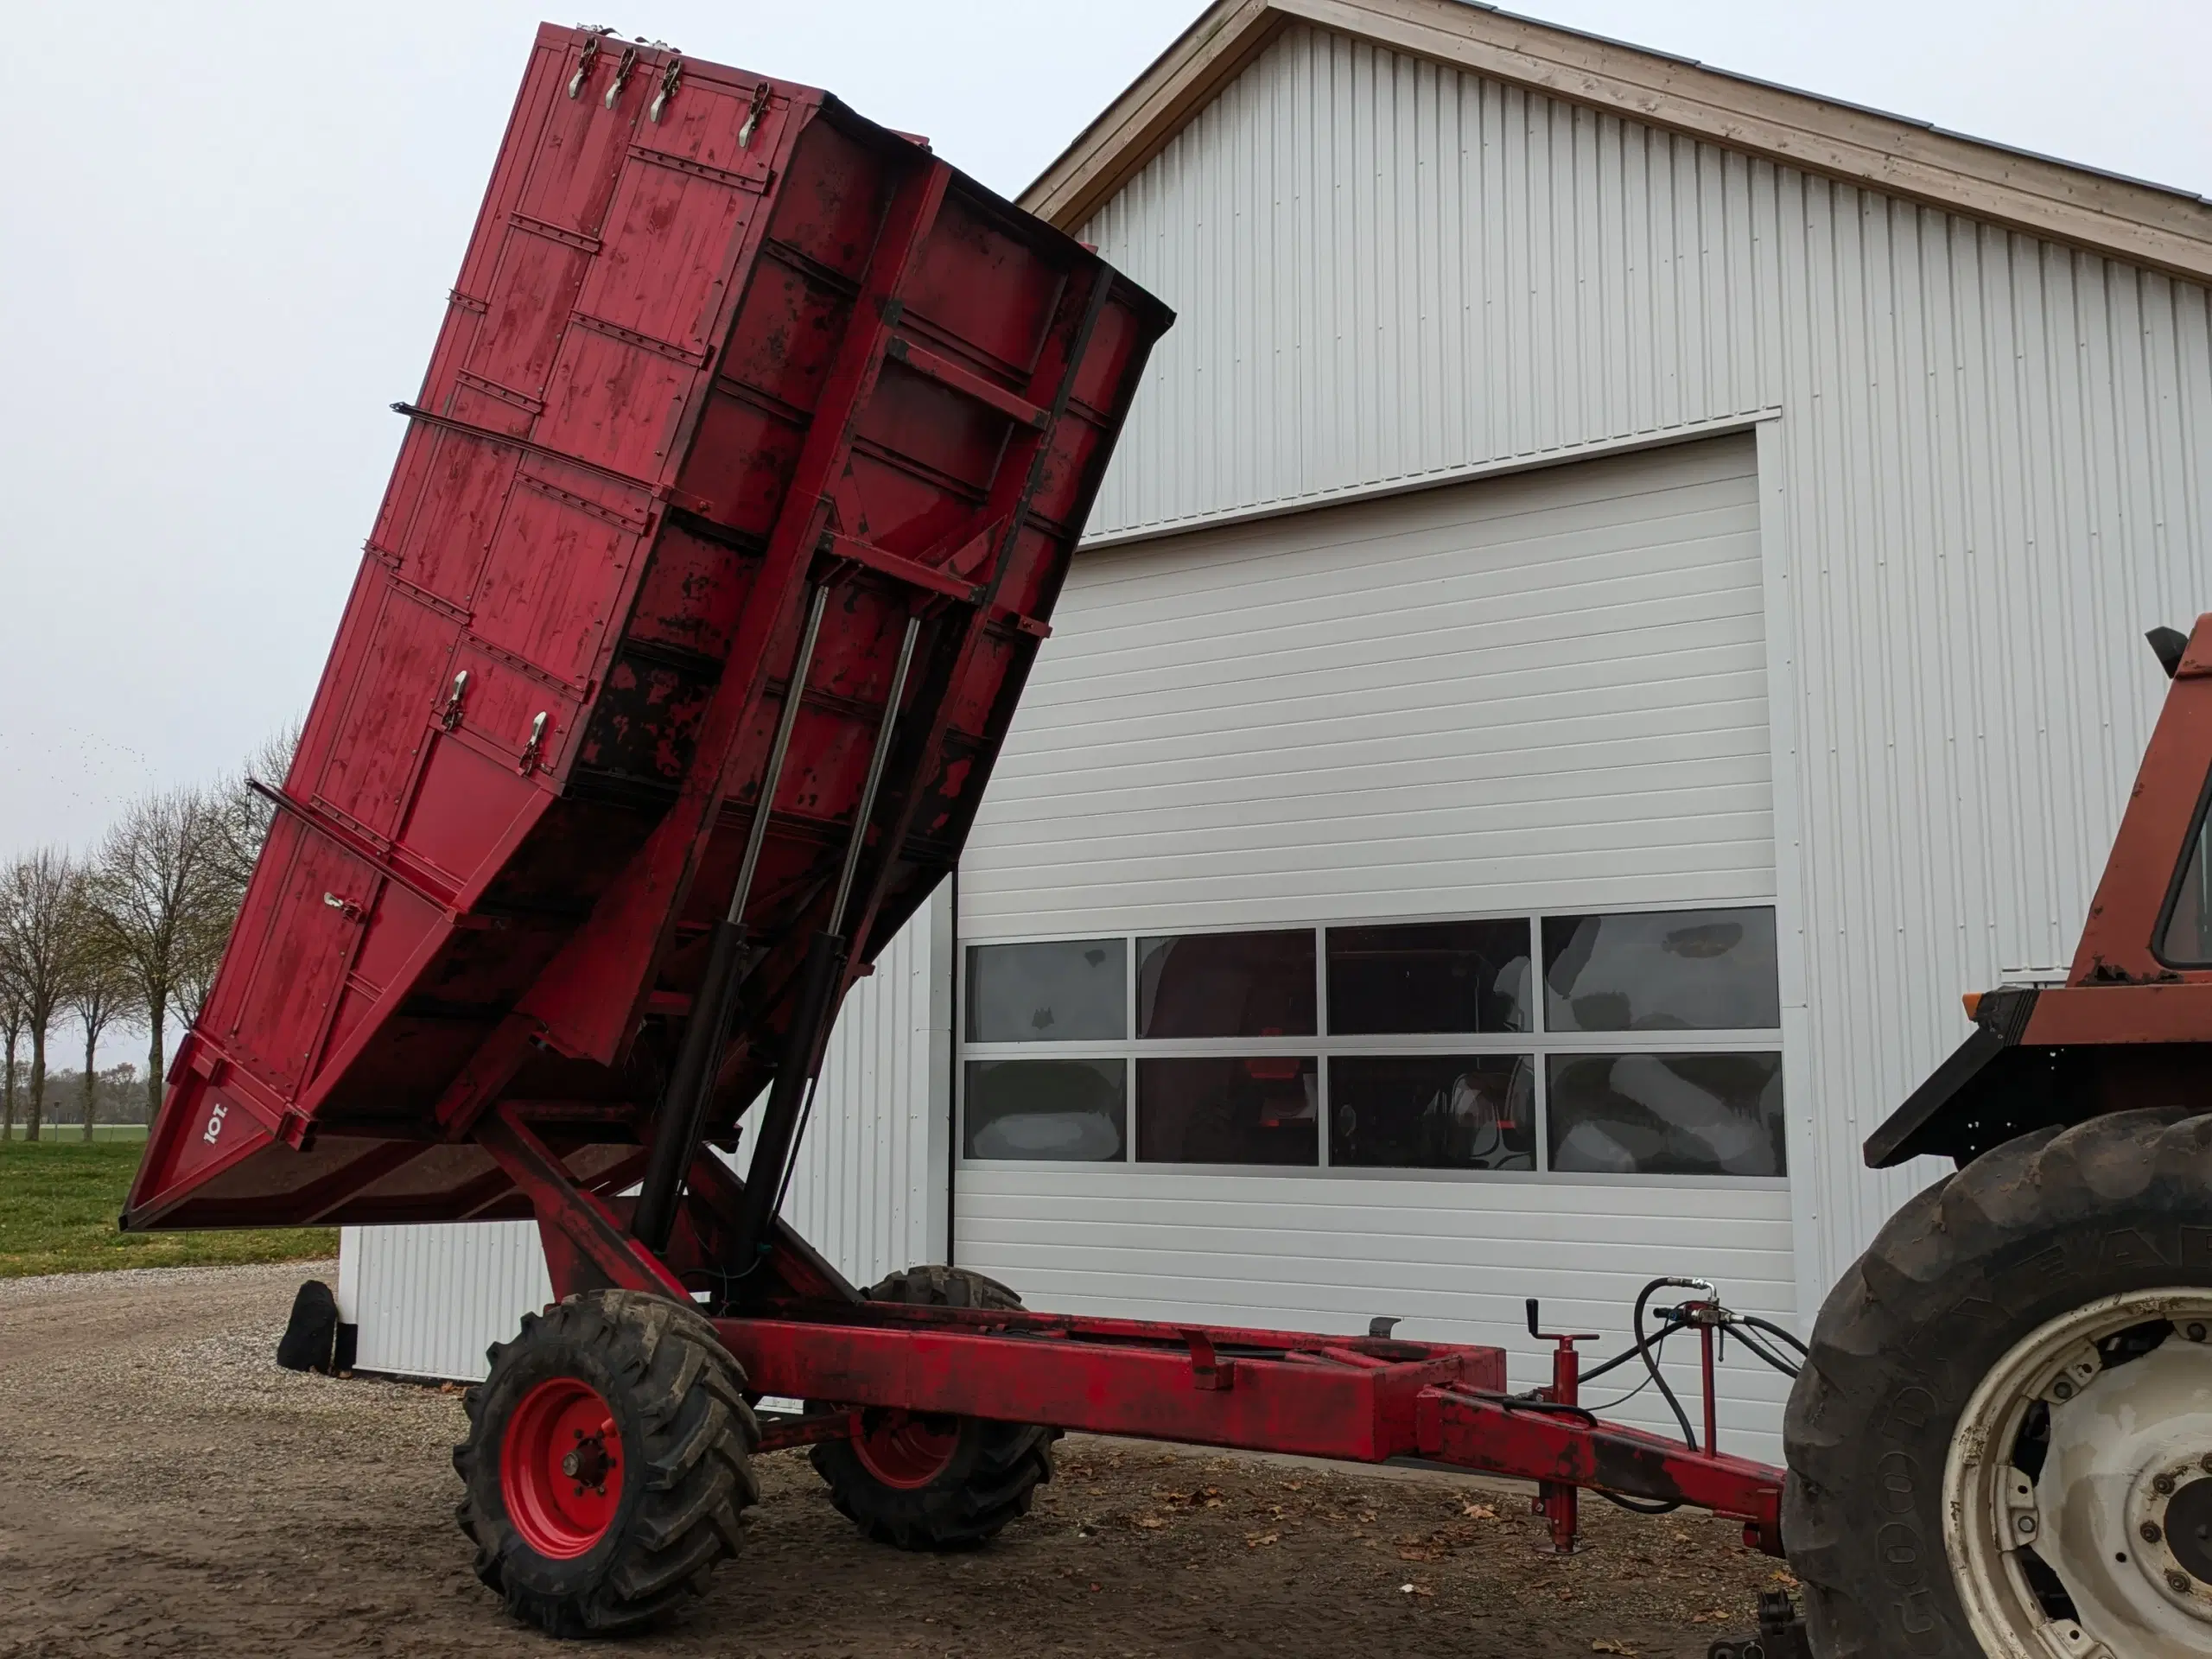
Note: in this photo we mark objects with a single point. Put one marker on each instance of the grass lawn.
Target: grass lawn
(59, 1200)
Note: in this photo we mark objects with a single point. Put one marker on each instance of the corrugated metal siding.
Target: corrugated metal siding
(1542, 691)
(872, 1186)
(430, 1300)
(1384, 270)
(870, 1191)
(1453, 1259)
(1992, 470)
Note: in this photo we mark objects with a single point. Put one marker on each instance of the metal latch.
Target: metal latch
(449, 716)
(752, 117)
(622, 69)
(532, 749)
(1207, 1370)
(671, 79)
(584, 63)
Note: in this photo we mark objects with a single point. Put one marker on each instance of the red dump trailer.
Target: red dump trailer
(724, 530)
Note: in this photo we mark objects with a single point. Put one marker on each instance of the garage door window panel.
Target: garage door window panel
(1662, 970)
(1226, 985)
(1665, 1114)
(1429, 977)
(1433, 1111)
(1060, 1110)
(1065, 990)
(1229, 1109)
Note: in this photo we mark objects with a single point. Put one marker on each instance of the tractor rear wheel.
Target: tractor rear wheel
(609, 1454)
(930, 1483)
(2002, 1448)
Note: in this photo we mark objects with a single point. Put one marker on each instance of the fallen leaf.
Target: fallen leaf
(1415, 1590)
(1150, 1522)
(1479, 1512)
(1408, 1553)
(1261, 1540)
(1606, 1644)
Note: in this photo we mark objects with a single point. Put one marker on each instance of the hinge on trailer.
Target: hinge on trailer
(752, 117)
(671, 79)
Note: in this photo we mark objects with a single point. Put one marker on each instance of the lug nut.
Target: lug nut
(2062, 1390)
(2027, 1523)
(2196, 1331)
(2179, 1583)
(569, 1464)
(2163, 1485)
(2150, 1531)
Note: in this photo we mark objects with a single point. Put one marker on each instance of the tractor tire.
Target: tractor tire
(608, 1455)
(2006, 1396)
(936, 1482)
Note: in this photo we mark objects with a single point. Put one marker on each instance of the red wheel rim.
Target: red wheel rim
(561, 1468)
(902, 1450)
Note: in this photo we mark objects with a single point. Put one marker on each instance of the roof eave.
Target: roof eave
(2145, 225)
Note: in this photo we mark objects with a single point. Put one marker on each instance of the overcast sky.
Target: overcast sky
(230, 229)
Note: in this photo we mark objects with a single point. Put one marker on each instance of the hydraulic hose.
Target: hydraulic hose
(1650, 1359)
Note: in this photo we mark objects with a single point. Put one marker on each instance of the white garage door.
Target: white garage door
(1372, 914)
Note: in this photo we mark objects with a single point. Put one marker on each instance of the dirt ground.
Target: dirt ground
(165, 1490)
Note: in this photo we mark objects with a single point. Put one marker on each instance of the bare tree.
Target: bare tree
(102, 989)
(11, 1028)
(239, 817)
(38, 906)
(155, 885)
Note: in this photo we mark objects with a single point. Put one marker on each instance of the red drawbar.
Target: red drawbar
(561, 1468)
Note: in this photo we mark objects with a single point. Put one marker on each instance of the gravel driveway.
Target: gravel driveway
(169, 1491)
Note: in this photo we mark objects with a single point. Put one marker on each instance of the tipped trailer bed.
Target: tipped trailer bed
(723, 531)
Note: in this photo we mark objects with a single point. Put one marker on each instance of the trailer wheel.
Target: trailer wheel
(922, 1482)
(2002, 1444)
(608, 1455)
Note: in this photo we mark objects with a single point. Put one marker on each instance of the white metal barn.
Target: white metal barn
(1623, 597)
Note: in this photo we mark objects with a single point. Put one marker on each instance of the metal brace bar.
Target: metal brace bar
(946, 372)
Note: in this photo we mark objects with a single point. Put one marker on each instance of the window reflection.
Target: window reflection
(1225, 1110)
(2187, 939)
(1662, 970)
(1429, 976)
(1070, 1110)
(1666, 1114)
(1226, 985)
(1433, 1111)
(1066, 991)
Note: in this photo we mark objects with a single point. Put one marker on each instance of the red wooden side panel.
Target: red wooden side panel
(716, 341)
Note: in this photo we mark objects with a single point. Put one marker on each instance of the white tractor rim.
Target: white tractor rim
(2119, 1511)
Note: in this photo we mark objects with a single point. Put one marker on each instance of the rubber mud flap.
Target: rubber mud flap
(310, 1338)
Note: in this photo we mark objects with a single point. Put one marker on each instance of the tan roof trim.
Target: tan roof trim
(1136, 126)
(2140, 223)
